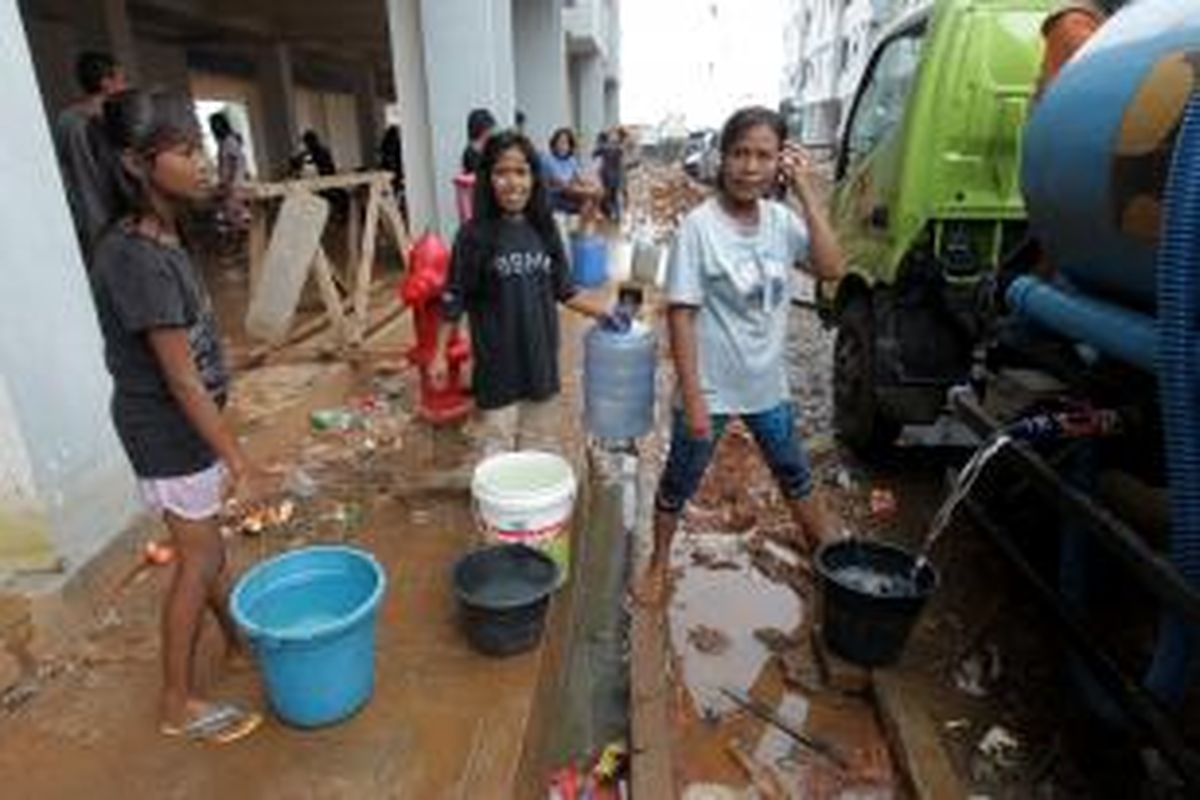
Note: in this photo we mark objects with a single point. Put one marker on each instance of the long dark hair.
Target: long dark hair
(144, 124)
(487, 212)
(739, 123)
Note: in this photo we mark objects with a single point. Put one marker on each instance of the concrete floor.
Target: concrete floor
(444, 722)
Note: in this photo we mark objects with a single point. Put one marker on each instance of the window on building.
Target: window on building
(843, 57)
(879, 108)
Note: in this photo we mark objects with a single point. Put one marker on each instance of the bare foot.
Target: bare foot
(653, 588)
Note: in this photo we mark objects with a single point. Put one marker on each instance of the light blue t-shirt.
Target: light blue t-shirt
(739, 279)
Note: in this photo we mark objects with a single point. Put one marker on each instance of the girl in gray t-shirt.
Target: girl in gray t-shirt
(169, 385)
(728, 298)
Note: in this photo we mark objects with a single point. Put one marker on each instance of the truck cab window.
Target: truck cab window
(885, 90)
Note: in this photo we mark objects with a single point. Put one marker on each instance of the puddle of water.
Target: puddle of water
(735, 602)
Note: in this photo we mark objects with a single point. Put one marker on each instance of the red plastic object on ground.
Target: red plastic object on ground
(464, 195)
(421, 290)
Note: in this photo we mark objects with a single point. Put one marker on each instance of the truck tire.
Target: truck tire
(859, 423)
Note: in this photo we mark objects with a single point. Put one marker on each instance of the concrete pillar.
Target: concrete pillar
(540, 49)
(370, 114)
(65, 486)
(591, 98)
(279, 106)
(449, 56)
(120, 37)
(612, 103)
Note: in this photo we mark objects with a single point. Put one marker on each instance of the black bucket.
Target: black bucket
(503, 593)
(870, 599)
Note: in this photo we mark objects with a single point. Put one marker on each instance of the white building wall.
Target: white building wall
(449, 56)
(65, 486)
(540, 50)
(827, 45)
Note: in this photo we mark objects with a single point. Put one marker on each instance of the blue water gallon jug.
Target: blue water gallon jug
(619, 371)
(589, 259)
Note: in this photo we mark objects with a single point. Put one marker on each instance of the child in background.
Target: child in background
(508, 273)
(169, 386)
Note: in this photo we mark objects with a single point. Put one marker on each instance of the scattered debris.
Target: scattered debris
(709, 641)
(299, 483)
(843, 480)
(996, 756)
(715, 791)
(712, 561)
(335, 419)
(260, 519)
(767, 714)
(883, 504)
(775, 640)
(956, 724)
(979, 672)
(158, 554)
(778, 563)
(762, 776)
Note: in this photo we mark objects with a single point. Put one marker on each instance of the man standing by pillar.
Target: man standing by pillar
(83, 155)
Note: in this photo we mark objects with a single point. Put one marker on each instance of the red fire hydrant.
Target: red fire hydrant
(421, 290)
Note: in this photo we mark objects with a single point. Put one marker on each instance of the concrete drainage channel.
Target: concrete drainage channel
(582, 703)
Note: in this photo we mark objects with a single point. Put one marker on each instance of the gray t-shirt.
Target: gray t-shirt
(89, 173)
(141, 285)
(739, 279)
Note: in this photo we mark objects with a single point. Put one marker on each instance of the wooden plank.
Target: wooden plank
(395, 225)
(329, 294)
(256, 243)
(362, 282)
(650, 694)
(915, 740)
(353, 233)
(348, 180)
(289, 257)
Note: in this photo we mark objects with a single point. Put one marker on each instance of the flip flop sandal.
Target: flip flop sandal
(220, 723)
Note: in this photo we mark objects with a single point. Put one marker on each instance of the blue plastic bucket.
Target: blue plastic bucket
(310, 617)
(589, 259)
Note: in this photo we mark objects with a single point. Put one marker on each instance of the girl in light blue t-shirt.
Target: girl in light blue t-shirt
(728, 297)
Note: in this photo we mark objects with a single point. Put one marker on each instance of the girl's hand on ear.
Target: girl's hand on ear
(797, 168)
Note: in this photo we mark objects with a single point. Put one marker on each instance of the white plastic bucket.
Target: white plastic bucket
(527, 497)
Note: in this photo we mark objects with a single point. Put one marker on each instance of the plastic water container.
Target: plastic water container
(871, 596)
(527, 498)
(589, 259)
(647, 261)
(310, 617)
(503, 593)
(619, 370)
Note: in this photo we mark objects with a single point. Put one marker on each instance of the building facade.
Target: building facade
(826, 47)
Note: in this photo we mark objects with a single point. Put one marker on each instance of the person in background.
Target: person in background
(170, 384)
(728, 300)
(391, 157)
(315, 155)
(88, 165)
(610, 154)
(519, 121)
(508, 273)
(480, 124)
(561, 169)
(233, 213)
(1066, 29)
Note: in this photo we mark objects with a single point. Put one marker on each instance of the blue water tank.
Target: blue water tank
(1097, 149)
(619, 370)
